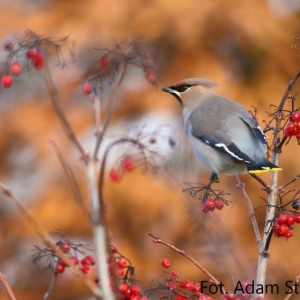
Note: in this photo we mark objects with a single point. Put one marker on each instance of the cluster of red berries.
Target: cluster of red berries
(34, 55)
(131, 292)
(84, 263)
(15, 70)
(282, 224)
(127, 164)
(212, 204)
(293, 127)
(127, 290)
(184, 286)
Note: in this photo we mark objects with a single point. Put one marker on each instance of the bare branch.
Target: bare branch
(241, 186)
(53, 93)
(7, 287)
(295, 178)
(288, 90)
(183, 253)
(72, 179)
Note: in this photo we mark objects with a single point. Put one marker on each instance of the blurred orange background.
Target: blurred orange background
(246, 46)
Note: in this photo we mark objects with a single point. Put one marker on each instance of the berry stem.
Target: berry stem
(72, 179)
(111, 104)
(54, 97)
(181, 252)
(51, 286)
(241, 186)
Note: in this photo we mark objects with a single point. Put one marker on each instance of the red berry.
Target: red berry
(6, 80)
(180, 297)
(219, 204)
(290, 220)
(283, 229)
(38, 60)
(104, 61)
(74, 260)
(287, 132)
(174, 275)
(128, 163)
(113, 248)
(297, 218)
(298, 135)
(290, 127)
(120, 272)
(87, 88)
(151, 77)
(135, 290)
(210, 204)
(85, 268)
(121, 262)
(204, 208)
(16, 68)
(281, 219)
(90, 260)
(186, 285)
(60, 267)
(196, 287)
(123, 288)
(276, 226)
(31, 53)
(296, 116)
(165, 263)
(65, 247)
(288, 234)
(135, 297)
(115, 175)
(297, 124)
(171, 285)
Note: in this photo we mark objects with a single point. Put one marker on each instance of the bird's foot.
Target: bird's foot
(214, 178)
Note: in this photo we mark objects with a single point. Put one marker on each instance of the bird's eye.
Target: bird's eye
(182, 88)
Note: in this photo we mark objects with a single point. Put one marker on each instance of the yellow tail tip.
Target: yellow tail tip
(264, 169)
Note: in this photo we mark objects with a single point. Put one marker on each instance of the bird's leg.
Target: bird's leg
(213, 178)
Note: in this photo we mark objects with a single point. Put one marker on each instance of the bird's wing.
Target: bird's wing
(216, 135)
(254, 127)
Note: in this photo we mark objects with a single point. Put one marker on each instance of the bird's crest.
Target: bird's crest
(194, 82)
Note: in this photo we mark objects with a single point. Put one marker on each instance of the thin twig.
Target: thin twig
(53, 93)
(41, 232)
(183, 253)
(111, 104)
(280, 188)
(260, 181)
(7, 287)
(288, 90)
(72, 179)
(241, 186)
(50, 288)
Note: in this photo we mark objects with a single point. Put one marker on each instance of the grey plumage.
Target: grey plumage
(223, 135)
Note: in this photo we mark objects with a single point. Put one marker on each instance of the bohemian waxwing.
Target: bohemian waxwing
(223, 135)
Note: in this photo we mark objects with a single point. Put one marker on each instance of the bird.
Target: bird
(222, 133)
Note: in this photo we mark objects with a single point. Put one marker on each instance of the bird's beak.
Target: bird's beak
(166, 89)
(173, 92)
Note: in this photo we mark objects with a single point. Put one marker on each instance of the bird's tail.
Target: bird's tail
(263, 166)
